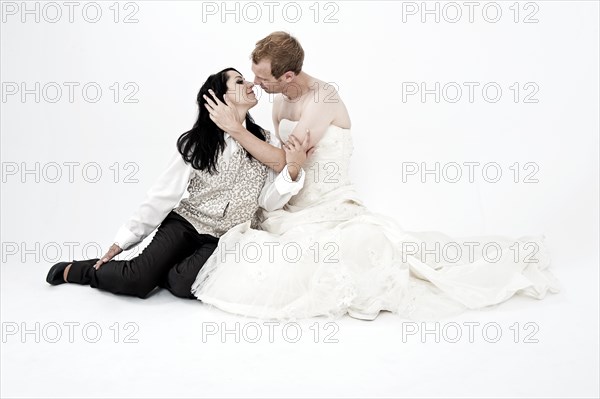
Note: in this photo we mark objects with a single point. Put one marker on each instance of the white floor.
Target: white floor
(180, 351)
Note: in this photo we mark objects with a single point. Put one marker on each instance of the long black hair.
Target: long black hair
(202, 145)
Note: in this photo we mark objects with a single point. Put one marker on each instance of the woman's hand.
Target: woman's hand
(222, 114)
(296, 153)
(113, 251)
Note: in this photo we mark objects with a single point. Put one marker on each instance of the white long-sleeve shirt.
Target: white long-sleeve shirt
(171, 185)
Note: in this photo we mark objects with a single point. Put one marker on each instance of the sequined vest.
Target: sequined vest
(220, 201)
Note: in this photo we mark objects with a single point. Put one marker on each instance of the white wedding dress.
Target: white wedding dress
(325, 254)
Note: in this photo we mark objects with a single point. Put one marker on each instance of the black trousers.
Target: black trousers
(172, 260)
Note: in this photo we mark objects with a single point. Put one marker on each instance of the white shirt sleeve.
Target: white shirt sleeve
(162, 197)
(279, 189)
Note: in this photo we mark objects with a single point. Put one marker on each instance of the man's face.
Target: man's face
(263, 77)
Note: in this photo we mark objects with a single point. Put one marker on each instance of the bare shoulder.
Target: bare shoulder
(327, 98)
(326, 90)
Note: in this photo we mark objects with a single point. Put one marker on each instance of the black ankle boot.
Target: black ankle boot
(78, 273)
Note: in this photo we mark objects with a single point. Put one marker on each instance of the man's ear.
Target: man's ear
(289, 76)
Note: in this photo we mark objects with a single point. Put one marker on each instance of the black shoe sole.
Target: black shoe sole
(55, 275)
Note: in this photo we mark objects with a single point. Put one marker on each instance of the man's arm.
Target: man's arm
(316, 117)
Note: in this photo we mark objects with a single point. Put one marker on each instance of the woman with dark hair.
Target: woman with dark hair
(226, 186)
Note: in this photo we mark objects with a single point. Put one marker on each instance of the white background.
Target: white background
(371, 53)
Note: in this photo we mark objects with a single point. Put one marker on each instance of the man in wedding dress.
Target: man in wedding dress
(350, 260)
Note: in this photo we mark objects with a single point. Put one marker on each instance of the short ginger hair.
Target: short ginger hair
(284, 52)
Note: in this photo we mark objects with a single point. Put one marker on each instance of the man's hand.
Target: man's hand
(296, 153)
(222, 114)
(113, 251)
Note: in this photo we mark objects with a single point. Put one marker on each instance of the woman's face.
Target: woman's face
(239, 91)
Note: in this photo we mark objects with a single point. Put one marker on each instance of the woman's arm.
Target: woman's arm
(226, 118)
(162, 197)
(264, 152)
(279, 189)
